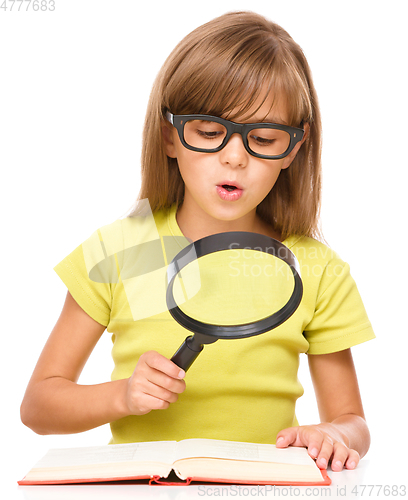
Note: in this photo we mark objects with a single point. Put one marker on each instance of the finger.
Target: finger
(162, 380)
(340, 455)
(286, 437)
(145, 399)
(160, 393)
(353, 460)
(147, 402)
(325, 452)
(162, 364)
(313, 440)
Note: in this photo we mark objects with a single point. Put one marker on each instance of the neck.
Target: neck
(199, 225)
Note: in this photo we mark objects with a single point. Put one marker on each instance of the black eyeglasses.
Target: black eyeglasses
(209, 134)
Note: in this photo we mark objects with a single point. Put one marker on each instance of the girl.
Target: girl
(198, 180)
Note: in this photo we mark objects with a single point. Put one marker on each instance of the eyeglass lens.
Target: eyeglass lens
(209, 135)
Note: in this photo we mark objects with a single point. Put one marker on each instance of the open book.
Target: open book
(203, 460)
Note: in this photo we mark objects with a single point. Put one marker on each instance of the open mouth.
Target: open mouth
(228, 187)
(229, 192)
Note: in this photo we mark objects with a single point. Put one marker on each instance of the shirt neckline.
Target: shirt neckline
(175, 230)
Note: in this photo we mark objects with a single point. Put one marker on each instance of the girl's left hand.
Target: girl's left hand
(324, 443)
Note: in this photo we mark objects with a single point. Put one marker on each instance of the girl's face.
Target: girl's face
(209, 199)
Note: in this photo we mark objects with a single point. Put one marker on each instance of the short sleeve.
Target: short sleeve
(93, 297)
(340, 320)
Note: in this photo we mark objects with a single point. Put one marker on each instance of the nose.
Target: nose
(234, 153)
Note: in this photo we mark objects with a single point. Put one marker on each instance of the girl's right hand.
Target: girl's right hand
(155, 383)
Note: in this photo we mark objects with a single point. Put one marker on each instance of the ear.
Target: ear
(168, 132)
(288, 160)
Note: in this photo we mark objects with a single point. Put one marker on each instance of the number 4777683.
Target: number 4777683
(26, 5)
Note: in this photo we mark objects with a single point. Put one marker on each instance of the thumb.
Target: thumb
(286, 437)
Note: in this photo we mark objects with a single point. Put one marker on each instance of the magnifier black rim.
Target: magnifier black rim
(223, 241)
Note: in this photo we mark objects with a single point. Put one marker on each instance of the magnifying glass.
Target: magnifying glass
(273, 289)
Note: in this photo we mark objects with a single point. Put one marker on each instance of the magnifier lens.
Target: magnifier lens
(233, 287)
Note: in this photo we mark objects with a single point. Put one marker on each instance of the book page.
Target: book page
(155, 451)
(232, 450)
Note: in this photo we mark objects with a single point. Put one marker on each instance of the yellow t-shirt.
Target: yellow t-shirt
(241, 390)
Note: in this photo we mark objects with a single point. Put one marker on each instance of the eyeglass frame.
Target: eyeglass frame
(178, 121)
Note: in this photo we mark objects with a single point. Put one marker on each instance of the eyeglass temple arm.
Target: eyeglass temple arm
(169, 117)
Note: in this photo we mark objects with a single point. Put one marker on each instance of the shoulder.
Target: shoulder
(134, 245)
(320, 266)
(335, 315)
(132, 230)
(309, 251)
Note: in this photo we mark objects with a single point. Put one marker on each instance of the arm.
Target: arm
(342, 436)
(55, 404)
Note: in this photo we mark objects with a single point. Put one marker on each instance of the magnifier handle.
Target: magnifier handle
(187, 353)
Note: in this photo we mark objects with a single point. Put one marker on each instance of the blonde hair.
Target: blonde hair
(223, 65)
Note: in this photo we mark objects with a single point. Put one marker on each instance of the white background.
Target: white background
(74, 85)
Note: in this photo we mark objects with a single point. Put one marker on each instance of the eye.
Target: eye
(204, 134)
(208, 135)
(207, 130)
(262, 141)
